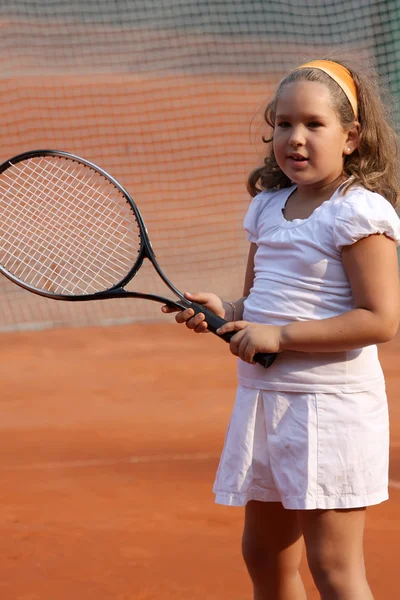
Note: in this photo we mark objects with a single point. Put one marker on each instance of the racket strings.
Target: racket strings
(64, 227)
(73, 218)
(73, 205)
(89, 248)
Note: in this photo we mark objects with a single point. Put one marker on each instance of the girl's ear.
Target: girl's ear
(352, 140)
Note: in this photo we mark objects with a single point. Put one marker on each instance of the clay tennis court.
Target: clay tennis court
(110, 435)
(109, 443)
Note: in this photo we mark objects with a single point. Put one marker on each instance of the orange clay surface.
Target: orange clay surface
(109, 443)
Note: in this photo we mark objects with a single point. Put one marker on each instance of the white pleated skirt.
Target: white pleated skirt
(306, 450)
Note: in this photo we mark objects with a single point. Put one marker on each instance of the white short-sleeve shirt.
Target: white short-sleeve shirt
(299, 276)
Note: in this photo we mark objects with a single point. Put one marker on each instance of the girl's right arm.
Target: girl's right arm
(230, 311)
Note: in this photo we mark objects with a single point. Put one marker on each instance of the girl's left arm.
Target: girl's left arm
(371, 265)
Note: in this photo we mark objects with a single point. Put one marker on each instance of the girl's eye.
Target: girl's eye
(284, 124)
(314, 124)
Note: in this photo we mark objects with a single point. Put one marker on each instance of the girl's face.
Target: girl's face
(309, 141)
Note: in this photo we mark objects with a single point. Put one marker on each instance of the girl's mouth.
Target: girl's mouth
(298, 162)
(297, 158)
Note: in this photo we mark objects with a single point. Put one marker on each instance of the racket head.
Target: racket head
(68, 229)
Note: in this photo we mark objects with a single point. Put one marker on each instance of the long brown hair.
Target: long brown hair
(374, 164)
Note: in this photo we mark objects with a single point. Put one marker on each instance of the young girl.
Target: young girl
(307, 446)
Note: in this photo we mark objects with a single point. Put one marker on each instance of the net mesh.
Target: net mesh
(166, 95)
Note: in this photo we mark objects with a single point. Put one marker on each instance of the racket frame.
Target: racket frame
(145, 251)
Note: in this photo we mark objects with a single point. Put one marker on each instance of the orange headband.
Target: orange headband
(339, 74)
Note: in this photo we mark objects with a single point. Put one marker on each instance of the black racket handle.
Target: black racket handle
(214, 322)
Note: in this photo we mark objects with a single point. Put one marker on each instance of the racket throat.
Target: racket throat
(122, 293)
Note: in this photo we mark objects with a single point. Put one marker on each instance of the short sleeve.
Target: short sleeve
(363, 213)
(252, 217)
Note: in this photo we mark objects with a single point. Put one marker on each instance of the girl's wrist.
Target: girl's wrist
(230, 310)
(283, 338)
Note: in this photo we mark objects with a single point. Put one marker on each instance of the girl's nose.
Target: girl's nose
(296, 138)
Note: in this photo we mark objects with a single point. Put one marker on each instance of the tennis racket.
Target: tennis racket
(70, 231)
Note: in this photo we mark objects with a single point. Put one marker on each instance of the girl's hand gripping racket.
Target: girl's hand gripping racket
(70, 231)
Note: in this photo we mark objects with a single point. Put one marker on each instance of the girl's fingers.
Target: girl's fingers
(193, 321)
(201, 328)
(169, 309)
(187, 316)
(199, 297)
(232, 326)
(239, 346)
(236, 342)
(184, 315)
(246, 351)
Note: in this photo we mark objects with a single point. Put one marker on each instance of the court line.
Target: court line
(130, 460)
(104, 462)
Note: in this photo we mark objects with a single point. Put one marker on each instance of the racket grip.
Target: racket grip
(214, 322)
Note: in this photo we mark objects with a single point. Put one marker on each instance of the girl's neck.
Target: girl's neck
(303, 201)
(318, 194)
